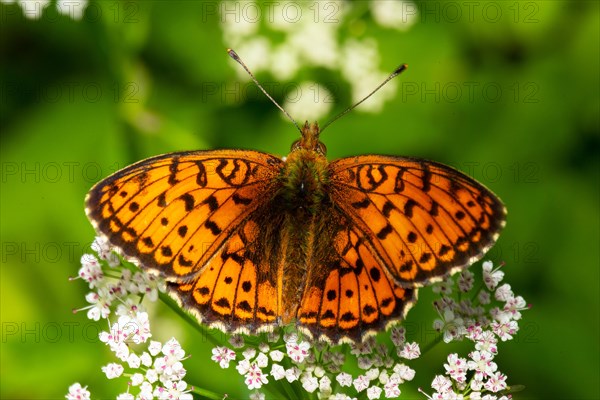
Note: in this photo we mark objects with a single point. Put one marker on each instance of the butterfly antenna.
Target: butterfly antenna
(237, 58)
(394, 74)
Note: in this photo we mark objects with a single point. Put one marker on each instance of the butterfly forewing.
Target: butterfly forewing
(172, 213)
(422, 219)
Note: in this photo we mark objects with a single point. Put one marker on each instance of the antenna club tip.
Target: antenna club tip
(401, 68)
(233, 54)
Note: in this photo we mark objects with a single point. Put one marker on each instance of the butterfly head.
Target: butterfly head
(310, 139)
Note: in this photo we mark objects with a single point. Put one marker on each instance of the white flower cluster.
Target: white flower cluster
(465, 319)
(33, 9)
(281, 38)
(318, 367)
(156, 370)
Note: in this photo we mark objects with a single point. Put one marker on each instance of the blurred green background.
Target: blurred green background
(506, 91)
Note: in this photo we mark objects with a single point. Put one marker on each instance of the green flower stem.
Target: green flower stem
(207, 393)
(431, 345)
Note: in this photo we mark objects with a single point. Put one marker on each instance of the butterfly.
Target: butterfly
(248, 241)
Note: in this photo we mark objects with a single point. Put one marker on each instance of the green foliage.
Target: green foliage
(513, 103)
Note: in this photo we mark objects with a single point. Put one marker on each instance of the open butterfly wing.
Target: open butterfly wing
(172, 213)
(354, 297)
(421, 219)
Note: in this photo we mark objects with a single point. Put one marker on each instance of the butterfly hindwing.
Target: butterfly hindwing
(236, 290)
(354, 297)
(422, 219)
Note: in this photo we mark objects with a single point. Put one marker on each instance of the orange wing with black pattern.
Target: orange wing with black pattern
(185, 216)
(355, 297)
(420, 220)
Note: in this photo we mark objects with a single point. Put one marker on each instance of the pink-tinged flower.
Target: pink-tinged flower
(374, 392)
(481, 362)
(441, 384)
(505, 331)
(344, 379)
(456, 368)
(112, 370)
(298, 351)
(496, 382)
(361, 383)
(223, 356)
(491, 277)
(169, 366)
(255, 378)
(410, 351)
(391, 389)
(487, 341)
(77, 392)
(91, 270)
(100, 304)
(513, 307)
(125, 396)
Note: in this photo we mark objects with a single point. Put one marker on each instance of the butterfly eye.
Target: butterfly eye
(321, 148)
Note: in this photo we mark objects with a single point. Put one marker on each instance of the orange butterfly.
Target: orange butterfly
(248, 241)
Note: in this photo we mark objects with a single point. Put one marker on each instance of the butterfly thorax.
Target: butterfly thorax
(305, 176)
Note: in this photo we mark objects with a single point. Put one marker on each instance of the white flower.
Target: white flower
(76, 392)
(125, 396)
(292, 374)
(170, 365)
(249, 353)
(276, 355)
(113, 370)
(505, 331)
(309, 383)
(91, 270)
(441, 384)
(395, 14)
(374, 392)
(404, 372)
(133, 360)
(504, 293)
(513, 307)
(481, 362)
(456, 368)
(491, 277)
(277, 372)
(410, 351)
(104, 250)
(344, 379)
(262, 360)
(255, 378)
(72, 8)
(487, 341)
(325, 384)
(257, 396)
(243, 366)
(496, 382)
(361, 383)
(100, 304)
(154, 348)
(391, 389)
(137, 379)
(223, 356)
(452, 326)
(298, 351)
